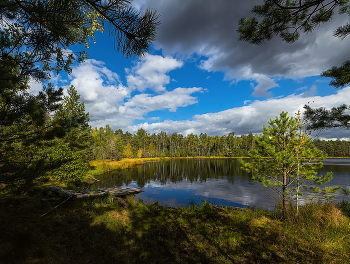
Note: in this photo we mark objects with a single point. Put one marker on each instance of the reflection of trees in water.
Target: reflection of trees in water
(336, 169)
(193, 170)
(341, 175)
(177, 170)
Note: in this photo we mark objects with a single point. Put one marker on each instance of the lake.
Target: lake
(179, 182)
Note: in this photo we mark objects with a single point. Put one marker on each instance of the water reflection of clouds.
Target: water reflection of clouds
(235, 188)
(337, 161)
(246, 195)
(153, 190)
(183, 185)
(243, 193)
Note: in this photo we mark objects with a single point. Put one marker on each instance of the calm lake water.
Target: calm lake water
(180, 182)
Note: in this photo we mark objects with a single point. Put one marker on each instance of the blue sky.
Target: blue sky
(197, 77)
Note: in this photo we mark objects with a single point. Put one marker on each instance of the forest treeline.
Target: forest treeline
(114, 145)
(334, 148)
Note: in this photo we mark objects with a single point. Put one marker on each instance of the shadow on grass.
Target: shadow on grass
(106, 231)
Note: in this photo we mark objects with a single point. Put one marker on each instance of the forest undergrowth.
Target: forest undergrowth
(115, 230)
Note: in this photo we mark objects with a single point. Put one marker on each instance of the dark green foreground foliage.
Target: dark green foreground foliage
(44, 135)
(107, 231)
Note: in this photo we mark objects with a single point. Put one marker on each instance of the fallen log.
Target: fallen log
(94, 193)
(60, 191)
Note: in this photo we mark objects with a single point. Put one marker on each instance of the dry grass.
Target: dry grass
(106, 165)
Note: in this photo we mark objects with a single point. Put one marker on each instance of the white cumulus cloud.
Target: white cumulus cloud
(179, 97)
(151, 73)
(110, 102)
(251, 117)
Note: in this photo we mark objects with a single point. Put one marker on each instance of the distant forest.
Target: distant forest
(114, 145)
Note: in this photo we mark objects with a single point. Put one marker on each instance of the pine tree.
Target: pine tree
(69, 155)
(285, 159)
(26, 126)
(58, 148)
(322, 118)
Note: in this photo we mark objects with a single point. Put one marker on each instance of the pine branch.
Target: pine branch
(300, 7)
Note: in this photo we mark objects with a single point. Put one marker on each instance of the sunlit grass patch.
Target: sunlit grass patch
(100, 166)
(324, 214)
(113, 219)
(320, 229)
(264, 222)
(209, 157)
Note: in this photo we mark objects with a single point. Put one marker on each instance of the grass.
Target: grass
(111, 230)
(100, 166)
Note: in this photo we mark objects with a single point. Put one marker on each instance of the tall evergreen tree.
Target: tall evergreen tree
(69, 154)
(60, 150)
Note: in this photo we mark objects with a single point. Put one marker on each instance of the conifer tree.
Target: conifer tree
(59, 148)
(285, 159)
(69, 154)
(322, 118)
